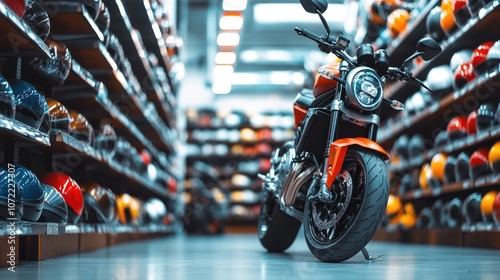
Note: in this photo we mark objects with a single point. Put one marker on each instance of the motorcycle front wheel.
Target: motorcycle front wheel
(338, 230)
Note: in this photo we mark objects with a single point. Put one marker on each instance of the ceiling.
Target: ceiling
(266, 48)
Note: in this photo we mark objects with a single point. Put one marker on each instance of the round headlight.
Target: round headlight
(364, 88)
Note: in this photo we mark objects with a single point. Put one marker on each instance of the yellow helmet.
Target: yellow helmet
(394, 209)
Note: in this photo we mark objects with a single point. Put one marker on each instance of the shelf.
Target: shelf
(143, 19)
(64, 143)
(225, 158)
(481, 182)
(17, 131)
(476, 31)
(439, 111)
(17, 38)
(405, 44)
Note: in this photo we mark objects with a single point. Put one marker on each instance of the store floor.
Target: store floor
(242, 257)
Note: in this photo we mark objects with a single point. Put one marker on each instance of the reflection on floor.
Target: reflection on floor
(242, 257)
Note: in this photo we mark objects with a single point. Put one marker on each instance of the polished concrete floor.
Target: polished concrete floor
(242, 257)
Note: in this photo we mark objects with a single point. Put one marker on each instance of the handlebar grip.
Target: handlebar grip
(308, 34)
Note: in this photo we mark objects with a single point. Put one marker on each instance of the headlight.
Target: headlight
(364, 88)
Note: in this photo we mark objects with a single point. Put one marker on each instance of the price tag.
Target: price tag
(467, 185)
(480, 182)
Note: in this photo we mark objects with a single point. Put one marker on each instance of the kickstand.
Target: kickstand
(367, 255)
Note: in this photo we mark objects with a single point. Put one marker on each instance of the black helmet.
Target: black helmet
(401, 146)
(46, 124)
(408, 183)
(449, 169)
(433, 24)
(462, 167)
(474, 6)
(441, 138)
(106, 137)
(7, 100)
(454, 212)
(416, 146)
(55, 209)
(32, 193)
(121, 152)
(56, 69)
(155, 211)
(100, 204)
(425, 220)
(5, 189)
(37, 18)
(485, 116)
(30, 104)
(471, 209)
(436, 212)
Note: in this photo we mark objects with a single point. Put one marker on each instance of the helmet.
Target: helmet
(103, 18)
(471, 209)
(453, 212)
(56, 69)
(46, 125)
(409, 217)
(5, 198)
(433, 25)
(479, 57)
(408, 183)
(496, 210)
(440, 80)
(17, 6)
(106, 137)
(397, 21)
(121, 152)
(447, 20)
(7, 100)
(458, 58)
(474, 6)
(32, 193)
(493, 56)
(494, 157)
(37, 18)
(425, 219)
(115, 49)
(394, 209)
(155, 211)
(441, 138)
(479, 163)
(449, 169)
(80, 128)
(460, 12)
(100, 204)
(487, 205)
(30, 104)
(485, 116)
(55, 209)
(70, 191)
(423, 179)
(401, 146)
(59, 115)
(457, 128)
(416, 146)
(438, 166)
(380, 9)
(436, 212)
(463, 75)
(471, 123)
(462, 167)
(129, 209)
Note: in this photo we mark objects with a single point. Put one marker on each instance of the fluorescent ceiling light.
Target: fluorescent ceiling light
(234, 5)
(228, 39)
(231, 22)
(225, 58)
(269, 78)
(222, 72)
(294, 13)
(221, 88)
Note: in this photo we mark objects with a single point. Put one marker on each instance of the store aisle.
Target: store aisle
(242, 257)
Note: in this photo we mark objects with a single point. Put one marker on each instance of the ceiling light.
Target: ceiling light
(221, 88)
(228, 39)
(234, 5)
(287, 13)
(231, 21)
(225, 58)
(249, 56)
(222, 72)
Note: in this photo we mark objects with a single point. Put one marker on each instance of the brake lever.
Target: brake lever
(421, 83)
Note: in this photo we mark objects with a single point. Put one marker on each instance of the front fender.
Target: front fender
(338, 150)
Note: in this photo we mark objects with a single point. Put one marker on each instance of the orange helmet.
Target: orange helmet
(397, 21)
(409, 217)
(487, 205)
(447, 19)
(394, 209)
(423, 179)
(59, 115)
(494, 157)
(438, 165)
(129, 209)
(80, 128)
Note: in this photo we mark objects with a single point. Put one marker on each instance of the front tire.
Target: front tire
(337, 231)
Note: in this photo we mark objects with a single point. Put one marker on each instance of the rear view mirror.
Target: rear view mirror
(312, 6)
(428, 48)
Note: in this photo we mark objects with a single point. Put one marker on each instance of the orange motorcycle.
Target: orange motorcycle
(332, 176)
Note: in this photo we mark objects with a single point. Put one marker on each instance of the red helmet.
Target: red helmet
(471, 123)
(17, 6)
(496, 210)
(457, 127)
(463, 75)
(479, 57)
(71, 192)
(479, 164)
(460, 12)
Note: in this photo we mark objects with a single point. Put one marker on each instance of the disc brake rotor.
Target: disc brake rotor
(326, 215)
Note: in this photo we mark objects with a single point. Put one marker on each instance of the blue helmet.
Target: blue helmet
(31, 105)
(32, 193)
(7, 100)
(55, 209)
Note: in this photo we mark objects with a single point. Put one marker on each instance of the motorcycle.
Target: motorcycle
(332, 176)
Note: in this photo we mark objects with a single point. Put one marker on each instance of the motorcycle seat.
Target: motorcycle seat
(304, 98)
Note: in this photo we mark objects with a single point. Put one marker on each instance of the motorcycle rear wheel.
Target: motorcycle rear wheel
(337, 231)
